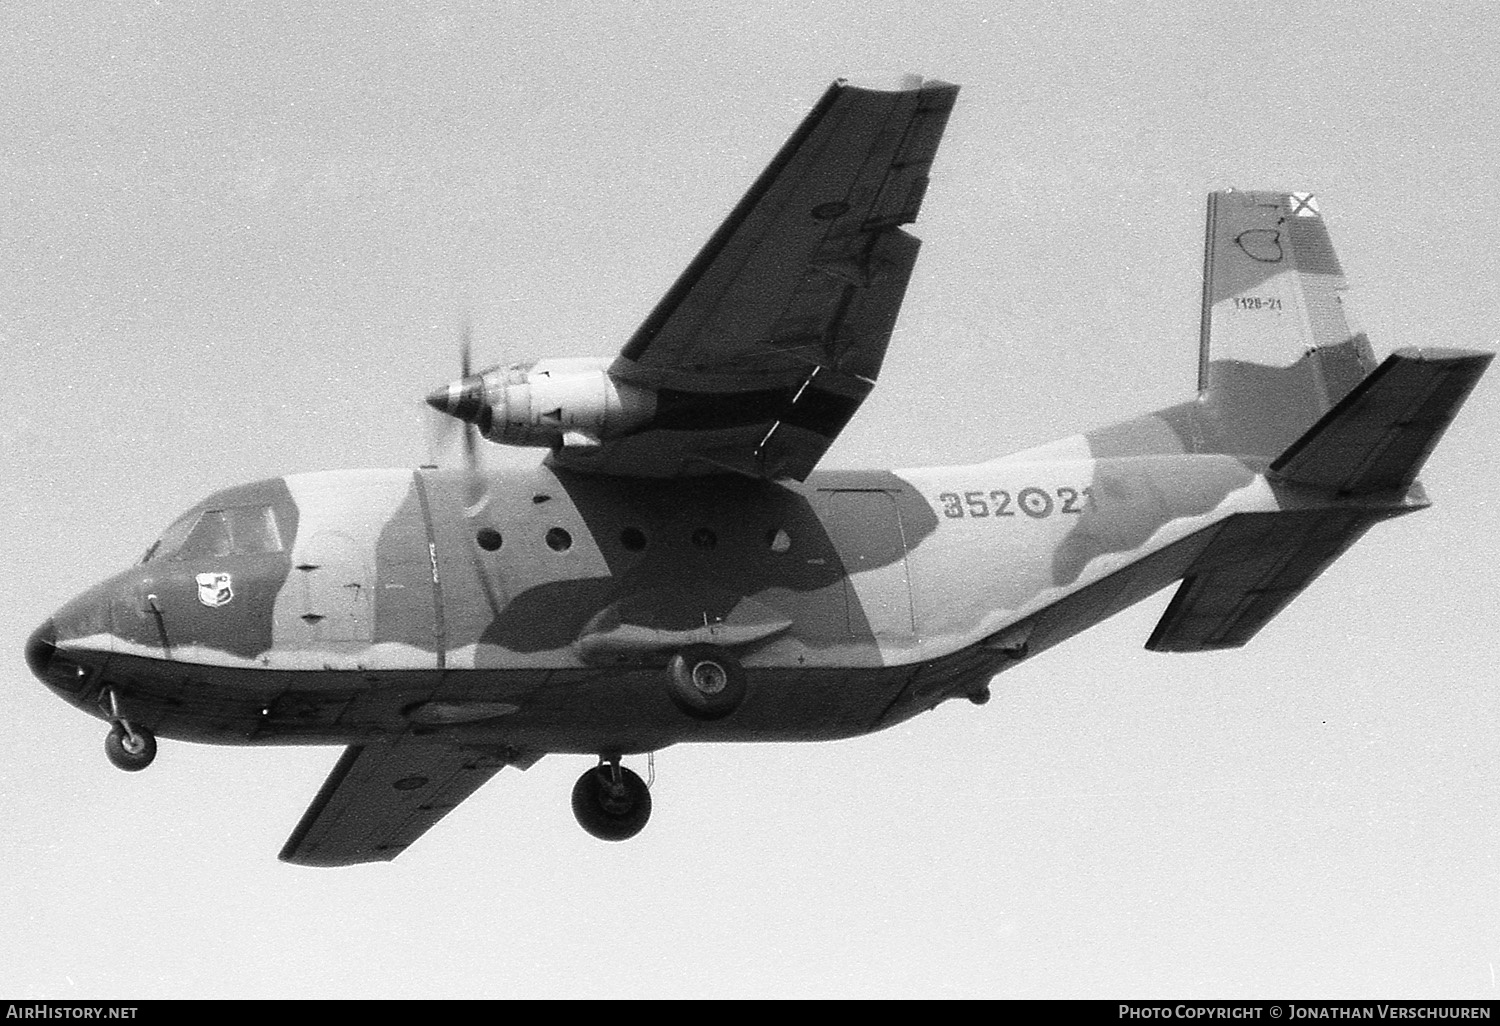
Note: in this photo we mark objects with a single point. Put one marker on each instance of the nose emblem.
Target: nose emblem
(215, 589)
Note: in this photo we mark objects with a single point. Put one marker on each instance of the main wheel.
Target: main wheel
(611, 807)
(130, 750)
(705, 682)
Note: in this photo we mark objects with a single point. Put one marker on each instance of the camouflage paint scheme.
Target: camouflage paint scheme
(849, 630)
(853, 600)
(881, 607)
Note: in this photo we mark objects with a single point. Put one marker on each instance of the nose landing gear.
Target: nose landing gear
(611, 802)
(129, 747)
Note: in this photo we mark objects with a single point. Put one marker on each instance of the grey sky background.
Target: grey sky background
(239, 240)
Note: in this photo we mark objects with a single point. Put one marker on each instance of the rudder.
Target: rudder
(1278, 346)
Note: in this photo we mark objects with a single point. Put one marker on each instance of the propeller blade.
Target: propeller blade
(466, 348)
(463, 403)
(471, 446)
(439, 429)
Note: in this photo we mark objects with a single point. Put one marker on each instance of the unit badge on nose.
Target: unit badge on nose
(214, 589)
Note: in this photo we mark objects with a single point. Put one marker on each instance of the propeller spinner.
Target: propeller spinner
(465, 399)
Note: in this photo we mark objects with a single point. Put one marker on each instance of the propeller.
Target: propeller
(465, 371)
(460, 402)
(462, 407)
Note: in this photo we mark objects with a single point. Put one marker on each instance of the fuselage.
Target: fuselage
(536, 610)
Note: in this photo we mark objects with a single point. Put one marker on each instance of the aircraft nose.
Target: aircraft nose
(40, 648)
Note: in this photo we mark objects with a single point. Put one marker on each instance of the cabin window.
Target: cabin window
(488, 538)
(559, 540)
(633, 538)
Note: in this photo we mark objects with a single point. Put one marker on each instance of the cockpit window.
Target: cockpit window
(209, 537)
(206, 534)
(172, 539)
(254, 529)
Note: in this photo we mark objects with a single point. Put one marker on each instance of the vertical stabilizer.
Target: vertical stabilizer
(1278, 346)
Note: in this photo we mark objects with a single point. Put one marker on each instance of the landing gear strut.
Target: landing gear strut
(128, 746)
(611, 802)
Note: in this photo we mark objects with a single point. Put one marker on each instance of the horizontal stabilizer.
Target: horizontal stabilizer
(1254, 566)
(1378, 436)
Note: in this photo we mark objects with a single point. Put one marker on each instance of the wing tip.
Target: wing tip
(891, 82)
(331, 861)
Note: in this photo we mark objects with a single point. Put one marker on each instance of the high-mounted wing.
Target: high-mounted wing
(761, 352)
(382, 797)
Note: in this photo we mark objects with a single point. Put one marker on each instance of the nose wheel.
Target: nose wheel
(128, 746)
(611, 802)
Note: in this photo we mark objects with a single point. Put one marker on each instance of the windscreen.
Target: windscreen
(211, 533)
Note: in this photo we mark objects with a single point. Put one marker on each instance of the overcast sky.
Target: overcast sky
(239, 240)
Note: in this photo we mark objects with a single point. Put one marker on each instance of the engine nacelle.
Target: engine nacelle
(565, 401)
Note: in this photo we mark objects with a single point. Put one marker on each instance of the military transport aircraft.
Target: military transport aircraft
(676, 570)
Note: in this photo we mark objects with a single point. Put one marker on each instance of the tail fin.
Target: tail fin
(1278, 346)
(1373, 441)
(1284, 374)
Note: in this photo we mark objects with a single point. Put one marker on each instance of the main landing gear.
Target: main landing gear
(128, 746)
(611, 802)
(705, 682)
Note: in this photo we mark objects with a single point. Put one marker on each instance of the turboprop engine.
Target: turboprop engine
(568, 402)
